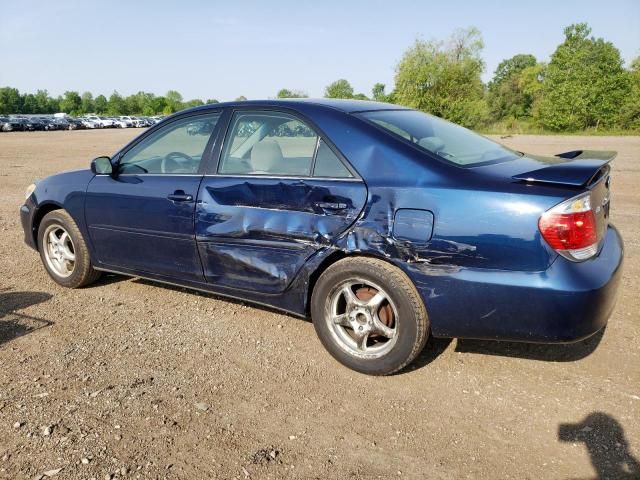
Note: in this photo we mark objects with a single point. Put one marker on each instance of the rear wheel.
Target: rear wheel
(64, 252)
(369, 315)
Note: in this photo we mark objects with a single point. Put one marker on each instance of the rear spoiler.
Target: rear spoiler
(577, 168)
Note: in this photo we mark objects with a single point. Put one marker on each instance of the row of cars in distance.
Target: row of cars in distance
(23, 123)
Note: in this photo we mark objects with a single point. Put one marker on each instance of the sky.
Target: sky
(224, 49)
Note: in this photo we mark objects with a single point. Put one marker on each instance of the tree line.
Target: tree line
(584, 85)
(74, 103)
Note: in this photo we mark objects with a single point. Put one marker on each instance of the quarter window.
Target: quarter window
(328, 164)
(276, 144)
(175, 149)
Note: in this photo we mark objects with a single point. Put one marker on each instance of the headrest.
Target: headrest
(266, 156)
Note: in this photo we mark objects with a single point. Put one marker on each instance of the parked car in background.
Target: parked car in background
(118, 123)
(88, 123)
(138, 122)
(36, 124)
(13, 124)
(127, 119)
(383, 224)
(61, 123)
(75, 124)
(107, 122)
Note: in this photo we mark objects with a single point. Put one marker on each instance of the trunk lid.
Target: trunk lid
(578, 168)
(581, 169)
(575, 172)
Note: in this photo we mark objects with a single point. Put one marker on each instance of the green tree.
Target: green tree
(53, 104)
(630, 112)
(443, 78)
(43, 104)
(211, 101)
(29, 104)
(505, 95)
(158, 104)
(196, 102)
(585, 83)
(87, 105)
(241, 98)
(174, 102)
(10, 100)
(531, 83)
(100, 103)
(360, 96)
(378, 92)
(71, 102)
(286, 93)
(116, 105)
(339, 89)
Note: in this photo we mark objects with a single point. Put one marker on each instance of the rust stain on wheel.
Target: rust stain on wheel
(385, 313)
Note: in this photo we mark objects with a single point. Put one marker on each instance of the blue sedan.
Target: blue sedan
(383, 224)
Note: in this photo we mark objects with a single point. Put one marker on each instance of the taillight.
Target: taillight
(570, 228)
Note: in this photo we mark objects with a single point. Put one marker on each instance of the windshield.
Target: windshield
(449, 141)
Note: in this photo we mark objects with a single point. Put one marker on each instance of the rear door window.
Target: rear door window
(276, 144)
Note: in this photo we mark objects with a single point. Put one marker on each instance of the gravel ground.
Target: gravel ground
(132, 379)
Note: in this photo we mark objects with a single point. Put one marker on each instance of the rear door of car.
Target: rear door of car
(279, 192)
(142, 218)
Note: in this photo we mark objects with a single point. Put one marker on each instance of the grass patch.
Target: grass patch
(527, 127)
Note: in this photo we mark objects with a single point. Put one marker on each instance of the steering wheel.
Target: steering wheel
(171, 163)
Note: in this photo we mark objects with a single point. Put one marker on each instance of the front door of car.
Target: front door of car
(279, 193)
(142, 217)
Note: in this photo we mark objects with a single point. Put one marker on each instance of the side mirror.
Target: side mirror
(102, 166)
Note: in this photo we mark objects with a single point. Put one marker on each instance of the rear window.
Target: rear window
(447, 140)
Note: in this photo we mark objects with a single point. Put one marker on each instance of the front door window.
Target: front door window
(177, 148)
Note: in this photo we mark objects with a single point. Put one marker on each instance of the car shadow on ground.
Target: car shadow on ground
(608, 448)
(563, 352)
(14, 324)
(566, 352)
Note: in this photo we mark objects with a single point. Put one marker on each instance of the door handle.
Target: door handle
(180, 197)
(331, 206)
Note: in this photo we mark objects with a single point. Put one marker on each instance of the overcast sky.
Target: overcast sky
(224, 49)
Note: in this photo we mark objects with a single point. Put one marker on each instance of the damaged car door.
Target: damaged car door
(280, 193)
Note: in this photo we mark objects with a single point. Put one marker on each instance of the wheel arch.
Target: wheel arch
(39, 214)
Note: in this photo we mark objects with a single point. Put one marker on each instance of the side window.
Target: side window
(328, 164)
(175, 149)
(274, 143)
(268, 143)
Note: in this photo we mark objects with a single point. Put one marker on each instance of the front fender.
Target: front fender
(64, 190)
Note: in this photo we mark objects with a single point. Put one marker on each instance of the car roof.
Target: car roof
(346, 106)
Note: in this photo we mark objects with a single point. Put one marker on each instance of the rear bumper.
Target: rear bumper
(565, 303)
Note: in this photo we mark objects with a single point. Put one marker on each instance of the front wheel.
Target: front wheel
(369, 315)
(64, 252)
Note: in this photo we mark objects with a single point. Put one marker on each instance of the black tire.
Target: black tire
(411, 323)
(82, 273)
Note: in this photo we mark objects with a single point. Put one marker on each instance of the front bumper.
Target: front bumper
(27, 212)
(565, 303)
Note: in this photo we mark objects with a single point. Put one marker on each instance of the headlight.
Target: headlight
(29, 190)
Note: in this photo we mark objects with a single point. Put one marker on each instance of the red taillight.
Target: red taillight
(568, 231)
(570, 228)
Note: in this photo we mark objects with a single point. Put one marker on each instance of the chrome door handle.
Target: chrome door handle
(180, 197)
(331, 205)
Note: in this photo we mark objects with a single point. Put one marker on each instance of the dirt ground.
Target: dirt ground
(131, 379)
